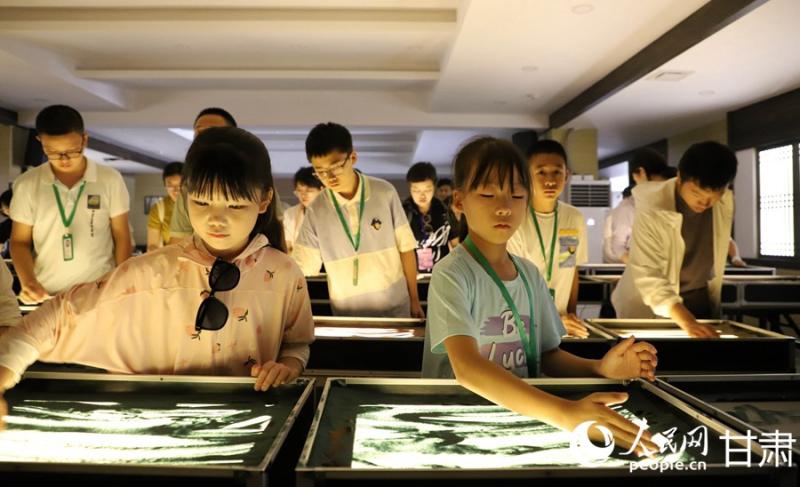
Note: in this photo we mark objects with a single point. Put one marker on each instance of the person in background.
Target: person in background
(427, 216)
(553, 236)
(71, 213)
(734, 256)
(646, 165)
(160, 215)
(444, 189)
(359, 230)
(5, 227)
(306, 187)
(491, 320)
(680, 242)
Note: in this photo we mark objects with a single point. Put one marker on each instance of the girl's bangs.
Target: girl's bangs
(217, 171)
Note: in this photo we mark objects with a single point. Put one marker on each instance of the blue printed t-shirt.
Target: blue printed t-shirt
(463, 300)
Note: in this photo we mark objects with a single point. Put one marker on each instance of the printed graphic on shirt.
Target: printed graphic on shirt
(500, 342)
(93, 201)
(376, 224)
(436, 241)
(568, 247)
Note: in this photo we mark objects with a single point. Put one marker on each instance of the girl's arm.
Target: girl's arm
(499, 386)
(626, 360)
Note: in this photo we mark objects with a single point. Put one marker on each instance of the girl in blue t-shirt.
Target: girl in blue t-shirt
(481, 308)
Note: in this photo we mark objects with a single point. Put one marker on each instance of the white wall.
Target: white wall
(745, 228)
(144, 185)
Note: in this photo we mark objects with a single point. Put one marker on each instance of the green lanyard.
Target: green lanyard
(68, 221)
(548, 262)
(527, 342)
(356, 243)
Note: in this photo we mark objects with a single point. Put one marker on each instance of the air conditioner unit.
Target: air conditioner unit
(593, 198)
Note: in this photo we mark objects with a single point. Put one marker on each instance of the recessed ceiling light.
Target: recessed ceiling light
(706, 92)
(672, 75)
(185, 133)
(529, 68)
(582, 9)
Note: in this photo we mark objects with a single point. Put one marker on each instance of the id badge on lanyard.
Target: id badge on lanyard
(67, 247)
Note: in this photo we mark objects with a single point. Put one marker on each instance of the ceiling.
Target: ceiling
(412, 79)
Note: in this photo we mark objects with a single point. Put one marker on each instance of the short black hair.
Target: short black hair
(626, 193)
(305, 176)
(421, 171)
(444, 182)
(172, 169)
(216, 111)
(651, 161)
(547, 146)
(325, 138)
(669, 172)
(5, 198)
(709, 164)
(59, 120)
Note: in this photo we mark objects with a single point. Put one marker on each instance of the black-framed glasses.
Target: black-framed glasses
(58, 156)
(333, 170)
(213, 314)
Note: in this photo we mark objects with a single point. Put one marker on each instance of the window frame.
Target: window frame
(781, 261)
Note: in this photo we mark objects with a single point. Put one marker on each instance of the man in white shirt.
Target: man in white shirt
(70, 215)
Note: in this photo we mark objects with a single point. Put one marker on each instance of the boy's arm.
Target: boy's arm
(409, 261)
(21, 240)
(626, 360)
(121, 233)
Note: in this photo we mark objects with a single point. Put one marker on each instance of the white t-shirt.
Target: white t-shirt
(34, 203)
(292, 220)
(381, 288)
(571, 248)
(464, 300)
(618, 230)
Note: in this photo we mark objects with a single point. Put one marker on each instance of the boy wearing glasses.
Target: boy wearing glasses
(427, 217)
(72, 211)
(358, 229)
(306, 187)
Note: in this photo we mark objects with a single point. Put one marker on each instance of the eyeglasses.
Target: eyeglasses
(426, 220)
(333, 170)
(213, 314)
(58, 156)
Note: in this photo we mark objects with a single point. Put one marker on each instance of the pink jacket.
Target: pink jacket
(139, 318)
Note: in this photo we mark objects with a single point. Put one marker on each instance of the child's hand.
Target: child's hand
(574, 325)
(416, 310)
(33, 293)
(629, 360)
(700, 330)
(271, 374)
(594, 407)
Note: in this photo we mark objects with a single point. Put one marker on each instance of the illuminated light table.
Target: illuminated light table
(597, 269)
(741, 348)
(87, 429)
(397, 431)
(761, 403)
(367, 344)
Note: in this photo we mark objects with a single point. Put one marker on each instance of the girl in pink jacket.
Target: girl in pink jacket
(227, 301)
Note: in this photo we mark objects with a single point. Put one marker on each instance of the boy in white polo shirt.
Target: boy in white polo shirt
(358, 229)
(553, 234)
(70, 215)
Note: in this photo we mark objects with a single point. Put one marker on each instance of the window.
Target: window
(776, 201)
